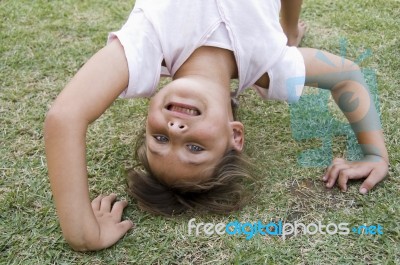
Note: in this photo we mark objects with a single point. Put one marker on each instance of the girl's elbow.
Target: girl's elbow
(350, 76)
(59, 120)
(77, 244)
(353, 72)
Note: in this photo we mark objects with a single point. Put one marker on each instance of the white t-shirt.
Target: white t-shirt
(171, 30)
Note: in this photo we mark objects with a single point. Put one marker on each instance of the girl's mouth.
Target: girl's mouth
(183, 108)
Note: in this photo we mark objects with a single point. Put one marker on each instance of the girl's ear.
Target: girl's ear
(238, 135)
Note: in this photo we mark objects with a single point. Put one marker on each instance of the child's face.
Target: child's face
(189, 129)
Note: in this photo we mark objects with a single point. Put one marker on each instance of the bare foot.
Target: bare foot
(295, 38)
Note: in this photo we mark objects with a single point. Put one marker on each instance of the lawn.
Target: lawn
(42, 45)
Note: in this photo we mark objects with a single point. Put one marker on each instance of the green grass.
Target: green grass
(42, 45)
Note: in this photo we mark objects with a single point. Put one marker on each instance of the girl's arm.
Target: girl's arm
(85, 225)
(349, 90)
(290, 14)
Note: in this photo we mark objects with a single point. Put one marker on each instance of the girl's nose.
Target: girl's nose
(177, 126)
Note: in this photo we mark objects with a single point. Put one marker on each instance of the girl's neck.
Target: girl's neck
(216, 64)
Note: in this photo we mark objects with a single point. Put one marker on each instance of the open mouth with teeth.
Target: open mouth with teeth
(182, 108)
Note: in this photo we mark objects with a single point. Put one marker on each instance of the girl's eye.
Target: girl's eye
(194, 148)
(161, 138)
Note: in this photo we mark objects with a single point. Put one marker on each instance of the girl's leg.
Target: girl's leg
(293, 28)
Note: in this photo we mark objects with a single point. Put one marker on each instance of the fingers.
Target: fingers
(106, 202)
(103, 203)
(336, 161)
(96, 203)
(374, 178)
(119, 207)
(341, 171)
(342, 180)
(108, 214)
(120, 229)
(125, 226)
(351, 173)
(333, 173)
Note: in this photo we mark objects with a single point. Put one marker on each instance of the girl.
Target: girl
(192, 143)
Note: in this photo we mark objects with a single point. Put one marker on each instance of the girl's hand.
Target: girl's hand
(373, 168)
(108, 215)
